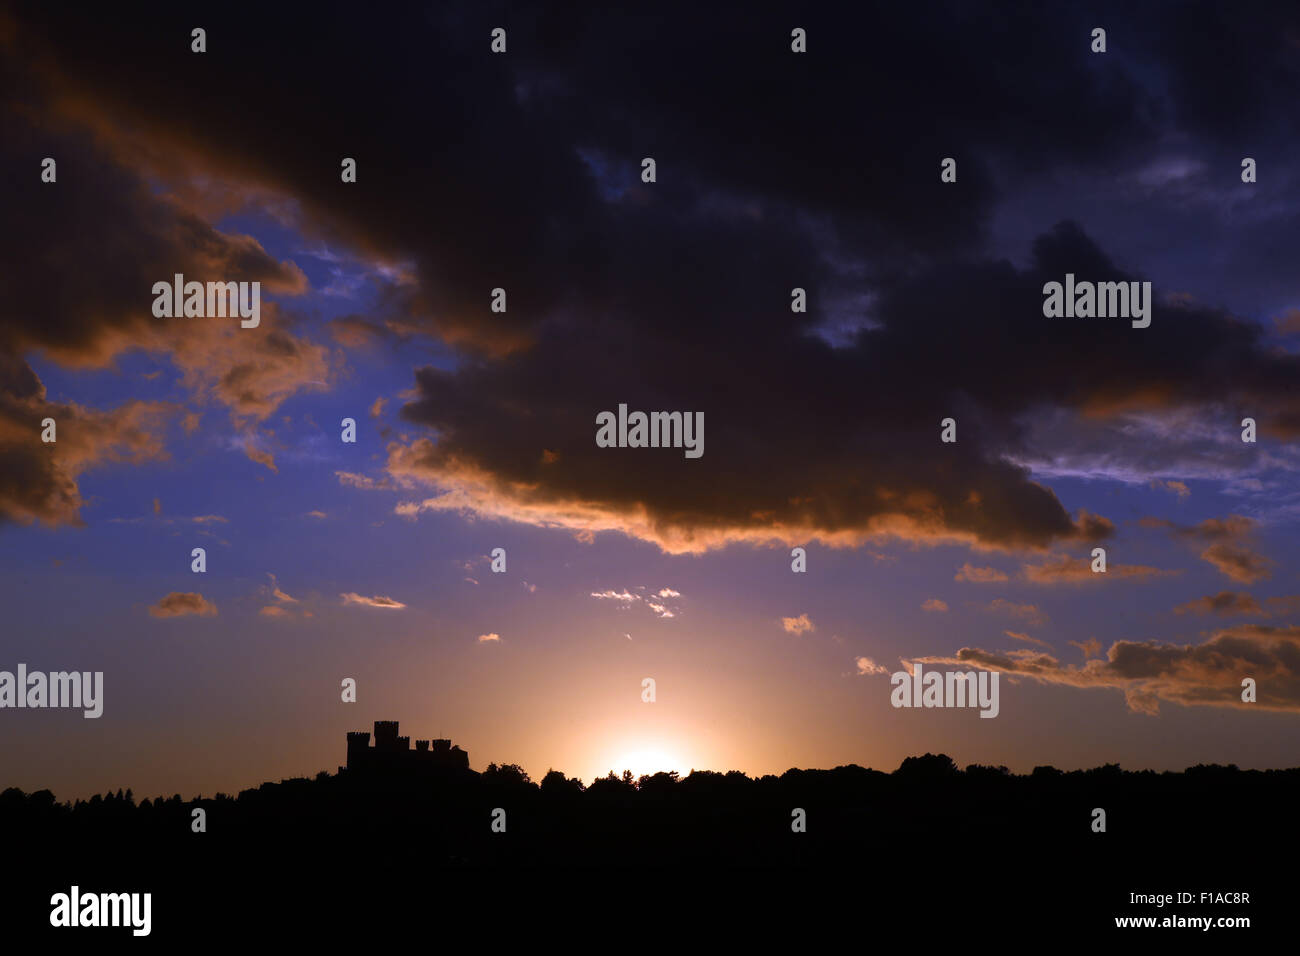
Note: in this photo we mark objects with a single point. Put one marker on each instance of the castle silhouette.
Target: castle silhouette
(392, 754)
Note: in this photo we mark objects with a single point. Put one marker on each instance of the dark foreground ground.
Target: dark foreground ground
(927, 854)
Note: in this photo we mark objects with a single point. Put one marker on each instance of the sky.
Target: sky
(476, 429)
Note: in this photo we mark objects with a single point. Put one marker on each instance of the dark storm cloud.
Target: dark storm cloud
(806, 439)
(470, 165)
(775, 170)
(83, 253)
(81, 256)
(1230, 70)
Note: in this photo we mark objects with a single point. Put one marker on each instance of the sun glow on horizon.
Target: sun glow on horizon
(649, 760)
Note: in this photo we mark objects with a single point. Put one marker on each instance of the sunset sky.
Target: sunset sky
(475, 429)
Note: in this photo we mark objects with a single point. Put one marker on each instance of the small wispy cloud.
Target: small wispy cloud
(657, 601)
(379, 600)
(1091, 647)
(1063, 569)
(1177, 487)
(1238, 562)
(279, 595)
(1228, 545)
(968, 572)
(798, 625)
(261, 456)
(867, 667)
(160, 519)
(1029, 613)
(183, 603)
(350, 479)
(1018, 636)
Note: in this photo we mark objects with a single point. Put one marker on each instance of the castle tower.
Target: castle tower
(358, 749)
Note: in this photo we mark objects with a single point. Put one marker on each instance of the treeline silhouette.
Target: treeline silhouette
(974, 836)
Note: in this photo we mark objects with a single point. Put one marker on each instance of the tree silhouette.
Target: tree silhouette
(928, 767)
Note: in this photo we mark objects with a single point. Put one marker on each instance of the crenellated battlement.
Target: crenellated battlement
(392, 752)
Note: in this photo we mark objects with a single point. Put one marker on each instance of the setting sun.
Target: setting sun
(648, 761)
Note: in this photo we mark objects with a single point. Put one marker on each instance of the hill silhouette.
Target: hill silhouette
(927, 834)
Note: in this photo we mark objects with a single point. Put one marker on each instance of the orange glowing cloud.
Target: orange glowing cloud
(1149, 672)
